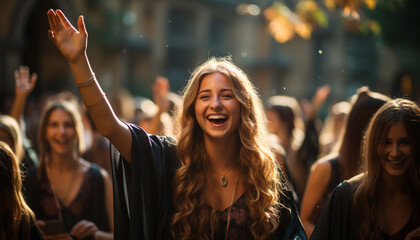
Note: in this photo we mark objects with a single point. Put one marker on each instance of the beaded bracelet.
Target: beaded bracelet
(87, 82)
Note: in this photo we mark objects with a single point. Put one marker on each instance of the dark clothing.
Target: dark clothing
(35, 234)
(143, 192)
(341, 220)
(333, 182)
(89, 203)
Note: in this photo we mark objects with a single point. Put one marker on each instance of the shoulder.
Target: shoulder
(345, 191)
(94, 170)
(142, 137)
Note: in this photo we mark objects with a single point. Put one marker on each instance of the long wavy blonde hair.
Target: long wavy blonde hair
(193, 218)
(367, 194)
(15, 215)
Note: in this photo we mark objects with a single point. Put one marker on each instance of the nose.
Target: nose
(215, 103)
(62, 129)
(395, 150)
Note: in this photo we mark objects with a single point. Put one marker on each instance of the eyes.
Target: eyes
(400, 142)
(206, 95)
(57, 124)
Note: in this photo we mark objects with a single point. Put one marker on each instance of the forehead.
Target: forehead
(215, 80)
(397, 130)
(60, 114)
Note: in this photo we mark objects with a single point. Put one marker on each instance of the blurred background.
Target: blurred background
(287, 47)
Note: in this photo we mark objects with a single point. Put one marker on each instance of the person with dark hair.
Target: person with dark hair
(332, 169)
(218, 180)
(65, 187)
(381, 202)
(16, 218)
(294, 127)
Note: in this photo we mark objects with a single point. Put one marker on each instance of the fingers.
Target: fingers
(84, 228)
(53, 20)
(22, 80)
(81, 25)
(63, 18)
(34, 77)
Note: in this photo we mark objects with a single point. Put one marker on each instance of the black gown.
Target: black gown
(143, 191)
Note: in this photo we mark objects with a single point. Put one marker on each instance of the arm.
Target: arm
(315, 188)
(160, 91)
(73, 44)
(24, 84)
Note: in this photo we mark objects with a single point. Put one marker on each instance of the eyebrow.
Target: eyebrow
(222, 90)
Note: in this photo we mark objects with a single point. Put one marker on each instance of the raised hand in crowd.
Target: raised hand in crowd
(24, 84)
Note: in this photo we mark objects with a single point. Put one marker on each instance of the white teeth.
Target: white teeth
(217, 116)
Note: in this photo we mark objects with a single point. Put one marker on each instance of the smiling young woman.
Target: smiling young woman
(219, 168)
(64, 186)
(382, 202)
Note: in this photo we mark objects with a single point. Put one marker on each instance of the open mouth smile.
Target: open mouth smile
(217, 118)
(396, 162)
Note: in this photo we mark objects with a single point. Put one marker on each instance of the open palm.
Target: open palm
(71, 43)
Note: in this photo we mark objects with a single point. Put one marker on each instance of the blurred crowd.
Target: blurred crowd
(64, 169)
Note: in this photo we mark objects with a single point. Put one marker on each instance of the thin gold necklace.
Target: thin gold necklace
(230, 207)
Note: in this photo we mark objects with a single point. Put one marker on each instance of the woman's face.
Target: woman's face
(216, 108)
(396, 157)
(61, 133)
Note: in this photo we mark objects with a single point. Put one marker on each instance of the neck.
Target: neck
(63, 162)
(222, 154)
(394, 184)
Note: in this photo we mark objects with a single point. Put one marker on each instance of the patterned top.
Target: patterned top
(79, 206)
(88, 204)
(239, 221)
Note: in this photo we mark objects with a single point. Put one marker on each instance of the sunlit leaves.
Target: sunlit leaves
(284, 24)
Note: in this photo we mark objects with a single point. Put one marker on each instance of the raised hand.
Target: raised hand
(160, 91)
(23, 83)
(71, 42)
(23, 87)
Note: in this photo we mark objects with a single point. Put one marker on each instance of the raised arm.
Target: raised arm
(72, 44)
(24, 84)
(160, 91)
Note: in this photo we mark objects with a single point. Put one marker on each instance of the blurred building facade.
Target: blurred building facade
(132, 41)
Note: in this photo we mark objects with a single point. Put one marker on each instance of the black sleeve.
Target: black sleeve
(337, 219)
(290, 226)
(142, 189)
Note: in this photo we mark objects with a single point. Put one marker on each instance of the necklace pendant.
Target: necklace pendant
(223, 181)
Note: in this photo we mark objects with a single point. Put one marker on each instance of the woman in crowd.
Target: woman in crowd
(65, 187)
(16, 218)
(297, 133)
(382, 202)
(332, 169)
(218, 180)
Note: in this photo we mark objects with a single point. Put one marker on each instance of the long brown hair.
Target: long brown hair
(192, 219)
(362, 110)
(15, 215)
(367, 193)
